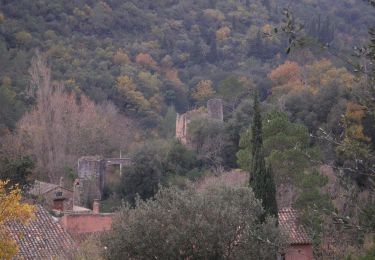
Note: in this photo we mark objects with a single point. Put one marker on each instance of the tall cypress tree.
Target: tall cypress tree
(256, 128)
(212, 55)
(261, 175)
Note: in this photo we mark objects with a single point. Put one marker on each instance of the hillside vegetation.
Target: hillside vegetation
(84, 77)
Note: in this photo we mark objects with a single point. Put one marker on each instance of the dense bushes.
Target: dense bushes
(216, 223)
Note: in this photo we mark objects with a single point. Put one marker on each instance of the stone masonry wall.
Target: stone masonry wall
(59, 193)
(215, 109)
(215, 112)
(181, 128)
(91, 172)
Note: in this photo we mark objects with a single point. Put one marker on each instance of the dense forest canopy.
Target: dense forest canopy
(164, 48)
(296, 78)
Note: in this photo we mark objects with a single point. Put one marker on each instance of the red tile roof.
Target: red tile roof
(288, 221)
(41, 238)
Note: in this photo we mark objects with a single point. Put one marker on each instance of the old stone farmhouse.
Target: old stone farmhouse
(54, 196)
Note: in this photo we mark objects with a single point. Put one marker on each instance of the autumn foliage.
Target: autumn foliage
(286, 78)
(145, 59)
(223, 33)
(353, 118)
(135, 101)
(121, 57)
(203, 91)
(11, 209)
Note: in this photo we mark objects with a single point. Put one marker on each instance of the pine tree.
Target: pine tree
(261, 176)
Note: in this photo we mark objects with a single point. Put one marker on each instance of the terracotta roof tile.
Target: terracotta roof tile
(41, 238)
(288, 221)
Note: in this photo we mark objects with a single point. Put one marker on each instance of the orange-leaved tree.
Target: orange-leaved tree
(11, 209)
(286, 78)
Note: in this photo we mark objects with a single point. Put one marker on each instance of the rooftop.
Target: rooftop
(40, 188)
(41, 238)
(288, 221)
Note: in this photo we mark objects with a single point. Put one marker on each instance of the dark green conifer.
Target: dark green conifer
(261, 179)
(212, 55)
(256, 129)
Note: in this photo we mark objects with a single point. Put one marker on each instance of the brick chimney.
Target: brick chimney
(96, 207)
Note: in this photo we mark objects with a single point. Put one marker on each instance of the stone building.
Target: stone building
(92, 177)
(215, 109)
(214, 112)
(299, 243)
(182, 122)
(54, 196)
(91, 172)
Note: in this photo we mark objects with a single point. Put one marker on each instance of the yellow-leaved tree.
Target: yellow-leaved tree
(203, 91)
(133, 98)
(11, 209)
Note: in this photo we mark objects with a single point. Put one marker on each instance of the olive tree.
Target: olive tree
(216, 223)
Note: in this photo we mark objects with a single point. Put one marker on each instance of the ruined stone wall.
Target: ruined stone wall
(91, 172)
(215, 109)
(92, 177)
(90, 167)
(215, 112)
(118, 161)
(181, 128)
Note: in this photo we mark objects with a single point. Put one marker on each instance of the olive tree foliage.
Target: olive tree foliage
(217, 223)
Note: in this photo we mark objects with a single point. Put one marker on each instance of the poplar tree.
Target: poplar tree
(261, 179)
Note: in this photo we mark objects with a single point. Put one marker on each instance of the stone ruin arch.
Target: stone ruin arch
(91, 180)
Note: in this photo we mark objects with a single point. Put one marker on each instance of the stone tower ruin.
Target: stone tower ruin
(92, 177)
(91, 172)
(181, 128)
(214, 112)
(215, 109)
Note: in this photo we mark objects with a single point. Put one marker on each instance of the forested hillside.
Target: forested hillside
(85, 77)
(159, 51)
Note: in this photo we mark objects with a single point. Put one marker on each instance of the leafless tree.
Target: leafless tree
(64, 126)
